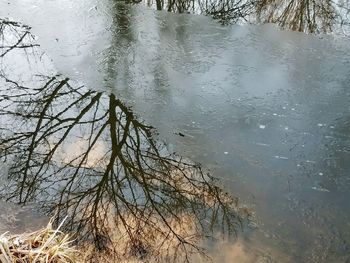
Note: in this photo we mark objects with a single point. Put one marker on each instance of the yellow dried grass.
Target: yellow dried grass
(46, 245)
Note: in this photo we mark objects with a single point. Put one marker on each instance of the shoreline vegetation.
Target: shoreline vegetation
(44, 245)
(52, 245)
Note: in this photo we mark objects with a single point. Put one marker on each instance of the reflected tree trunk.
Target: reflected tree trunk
(302, 15)
(84, 156)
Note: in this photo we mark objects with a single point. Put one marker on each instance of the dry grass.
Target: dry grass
(46, 245)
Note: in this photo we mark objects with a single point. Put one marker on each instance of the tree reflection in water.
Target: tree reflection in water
(313, 16)
(302, 15)
(83, 155)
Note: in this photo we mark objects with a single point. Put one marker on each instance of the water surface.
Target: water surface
(266, 110)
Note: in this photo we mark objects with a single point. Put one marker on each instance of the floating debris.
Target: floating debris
(321, 189)
(183, 134)
(308, 161)
(261, 126)
(281, 157)
(262, 144)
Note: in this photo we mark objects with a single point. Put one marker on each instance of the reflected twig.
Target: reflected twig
(84, 155)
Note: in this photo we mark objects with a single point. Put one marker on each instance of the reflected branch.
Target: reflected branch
(302, 15)
(310, 16)
(84, 155)
(22, 36)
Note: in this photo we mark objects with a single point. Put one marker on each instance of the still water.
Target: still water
(266, 110)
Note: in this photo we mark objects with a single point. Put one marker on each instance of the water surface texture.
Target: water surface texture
(268, 111)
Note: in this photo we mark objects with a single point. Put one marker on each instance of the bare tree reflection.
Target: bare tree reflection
(226, 11)
(314, 16)
(84, 155)
(302, 15)
(22, 38)
(229, 11)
